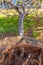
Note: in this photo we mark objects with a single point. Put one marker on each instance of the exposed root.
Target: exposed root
(22, 54)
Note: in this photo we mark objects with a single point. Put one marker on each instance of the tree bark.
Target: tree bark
(42, 4)
(21, 30)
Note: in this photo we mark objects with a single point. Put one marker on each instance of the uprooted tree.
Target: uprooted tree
(27, 51)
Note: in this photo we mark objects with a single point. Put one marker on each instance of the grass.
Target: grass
(9, 25)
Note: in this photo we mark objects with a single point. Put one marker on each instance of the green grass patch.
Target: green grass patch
(9, 24)
(35, 34)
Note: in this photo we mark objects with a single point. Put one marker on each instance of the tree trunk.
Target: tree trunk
(3, 5)
(21, 30)
(42, 4)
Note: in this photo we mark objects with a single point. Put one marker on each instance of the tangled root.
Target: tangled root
(22, 54)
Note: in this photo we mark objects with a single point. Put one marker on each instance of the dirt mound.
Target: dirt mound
(22, 54)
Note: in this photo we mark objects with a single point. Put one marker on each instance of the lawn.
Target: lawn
(9, 24)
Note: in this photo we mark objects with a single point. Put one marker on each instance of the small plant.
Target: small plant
(35, 34)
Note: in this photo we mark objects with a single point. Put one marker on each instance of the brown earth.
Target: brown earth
(21, 51)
